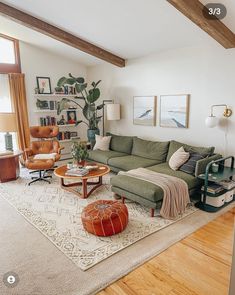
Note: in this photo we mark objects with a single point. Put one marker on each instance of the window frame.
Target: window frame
(6, 68)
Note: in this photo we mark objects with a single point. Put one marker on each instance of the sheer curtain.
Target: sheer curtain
(5, 106)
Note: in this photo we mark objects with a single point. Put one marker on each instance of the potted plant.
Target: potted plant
(79, 153)
(89, 108)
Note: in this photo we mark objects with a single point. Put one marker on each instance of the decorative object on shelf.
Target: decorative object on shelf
(71, 117)
(66, 90)
(8, 124)
(73, 134)
(59, 90)
(144, 112)
(62, 121)
(212, 120)
(174, 110)
(47, 121)
(42, 104)
(215, 168)
(112, 111)
(79, 153)
(36, 90)
(89, 110)
(44, 85)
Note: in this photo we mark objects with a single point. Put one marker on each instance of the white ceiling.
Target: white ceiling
(128, 28)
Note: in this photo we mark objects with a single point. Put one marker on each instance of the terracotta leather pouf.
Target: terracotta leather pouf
(105, 218)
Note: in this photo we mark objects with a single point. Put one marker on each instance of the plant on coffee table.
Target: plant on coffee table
(79, 153)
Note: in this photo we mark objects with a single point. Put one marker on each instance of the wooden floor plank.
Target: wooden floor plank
(198, 265)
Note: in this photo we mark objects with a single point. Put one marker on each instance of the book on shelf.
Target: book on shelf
(47, 121)
(77, 172)
(228, 184)
(213, 188)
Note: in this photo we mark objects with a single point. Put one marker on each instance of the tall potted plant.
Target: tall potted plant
(89, 108)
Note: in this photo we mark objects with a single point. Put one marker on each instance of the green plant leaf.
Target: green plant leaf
(80, 80)
(62, 105)
(61, 81)
(94, 94)
(80, 87)
(70, 81)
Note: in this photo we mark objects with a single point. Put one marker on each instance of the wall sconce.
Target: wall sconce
(212, 120)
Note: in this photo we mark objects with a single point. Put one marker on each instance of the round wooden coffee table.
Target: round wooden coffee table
(82, 180)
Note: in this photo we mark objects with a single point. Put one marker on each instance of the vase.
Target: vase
(91, 135)
(82, 163)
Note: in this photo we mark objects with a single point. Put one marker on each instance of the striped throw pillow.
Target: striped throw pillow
(190, 165)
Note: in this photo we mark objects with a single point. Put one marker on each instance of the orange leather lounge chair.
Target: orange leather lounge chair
(43, 153)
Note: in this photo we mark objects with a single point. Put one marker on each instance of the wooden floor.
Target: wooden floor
(198, 265)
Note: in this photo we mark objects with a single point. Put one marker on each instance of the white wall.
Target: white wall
(207, 74)
(38, 62)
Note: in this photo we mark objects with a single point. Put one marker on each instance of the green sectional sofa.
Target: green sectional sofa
(130, 152)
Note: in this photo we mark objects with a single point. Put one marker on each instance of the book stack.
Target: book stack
(77, 172)
(214, 188)
(62, 135)
(47, 121)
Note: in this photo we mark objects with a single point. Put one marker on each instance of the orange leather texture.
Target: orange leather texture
(105, 217)
(39, 164)
(42, 146)
(44, 131)
(46, 147)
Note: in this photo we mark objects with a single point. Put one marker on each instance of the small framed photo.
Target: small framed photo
(144, 112)
(44, 85)
(71, 117)
(174, 111)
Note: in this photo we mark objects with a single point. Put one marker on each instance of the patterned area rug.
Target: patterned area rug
(57, 214)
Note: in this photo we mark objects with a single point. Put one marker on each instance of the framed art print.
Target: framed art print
(174, 110)
(44, 85)
(144, 110)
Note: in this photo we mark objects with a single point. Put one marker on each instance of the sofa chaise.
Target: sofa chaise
(130, 152)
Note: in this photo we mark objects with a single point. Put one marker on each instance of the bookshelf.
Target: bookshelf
(49, 116)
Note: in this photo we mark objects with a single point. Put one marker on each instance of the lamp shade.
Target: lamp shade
(211, 121)
(113, 111)
(7, 122)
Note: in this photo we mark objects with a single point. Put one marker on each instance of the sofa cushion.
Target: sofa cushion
(164, 168)
(103, 156)
(154, 150)
(175, 145)
(178, 158)
(146, 190)
(131, 162)
(122, 144)
(190, 165)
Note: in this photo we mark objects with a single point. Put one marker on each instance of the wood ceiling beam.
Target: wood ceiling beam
(193, 9)
(59, 34)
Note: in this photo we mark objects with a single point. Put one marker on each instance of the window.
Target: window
(9, 55)
(5, 107)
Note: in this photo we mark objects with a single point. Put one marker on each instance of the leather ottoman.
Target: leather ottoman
(105, 217)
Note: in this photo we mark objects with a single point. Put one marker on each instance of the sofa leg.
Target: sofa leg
(123, 200)
(152, 212)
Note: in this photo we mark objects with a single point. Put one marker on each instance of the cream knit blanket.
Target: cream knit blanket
(176, 196)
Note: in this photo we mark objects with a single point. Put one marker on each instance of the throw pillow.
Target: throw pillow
(178, 158)
(45, 156)
(102, 143)
(190, 165)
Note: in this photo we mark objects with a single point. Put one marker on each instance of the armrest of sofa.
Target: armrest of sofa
(201, 164)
